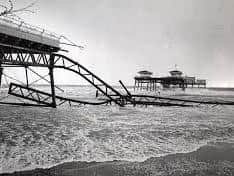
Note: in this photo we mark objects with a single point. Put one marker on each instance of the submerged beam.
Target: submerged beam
(44, 98)
(31, 94)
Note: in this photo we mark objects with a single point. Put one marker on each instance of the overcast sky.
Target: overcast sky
(122, 37)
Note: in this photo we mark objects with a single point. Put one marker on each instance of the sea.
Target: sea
(36, 137)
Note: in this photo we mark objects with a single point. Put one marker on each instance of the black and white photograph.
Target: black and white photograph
(116, 87)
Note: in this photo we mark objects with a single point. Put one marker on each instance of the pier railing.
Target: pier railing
(28, 28)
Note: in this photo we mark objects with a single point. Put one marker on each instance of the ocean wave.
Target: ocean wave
(35, 137)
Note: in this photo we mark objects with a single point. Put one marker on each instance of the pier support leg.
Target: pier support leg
(51, 73)
(26, 74)
(135, 85)
(1, 69)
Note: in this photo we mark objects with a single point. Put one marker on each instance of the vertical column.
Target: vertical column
(135, 85)
(1, 69)
(26, 74)
(51, 73)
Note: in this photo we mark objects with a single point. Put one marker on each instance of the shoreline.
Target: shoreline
(211, 159)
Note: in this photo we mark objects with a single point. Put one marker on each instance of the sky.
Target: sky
(122, 37)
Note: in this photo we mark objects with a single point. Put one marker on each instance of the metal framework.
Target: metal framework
(12, 56)
(166, 101)
(44, 98)
(21, 57)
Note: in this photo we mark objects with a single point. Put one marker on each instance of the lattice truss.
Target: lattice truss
(17, 86)
(28, 60)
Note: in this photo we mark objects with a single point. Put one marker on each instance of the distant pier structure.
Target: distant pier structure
(145, 80)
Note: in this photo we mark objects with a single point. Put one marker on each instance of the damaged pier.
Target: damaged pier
(29, 47)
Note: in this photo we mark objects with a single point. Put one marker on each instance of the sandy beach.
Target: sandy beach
(210, 160)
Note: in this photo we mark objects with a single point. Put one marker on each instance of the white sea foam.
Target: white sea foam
(35, 137)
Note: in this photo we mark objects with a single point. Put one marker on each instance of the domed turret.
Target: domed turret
(176, 73)
(145, 73)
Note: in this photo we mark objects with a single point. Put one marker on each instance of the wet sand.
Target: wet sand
(210, 160)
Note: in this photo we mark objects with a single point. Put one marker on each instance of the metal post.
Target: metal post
(1, 69)
(51, 73)
(135, 85)
(151, 85)
(26, 74)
